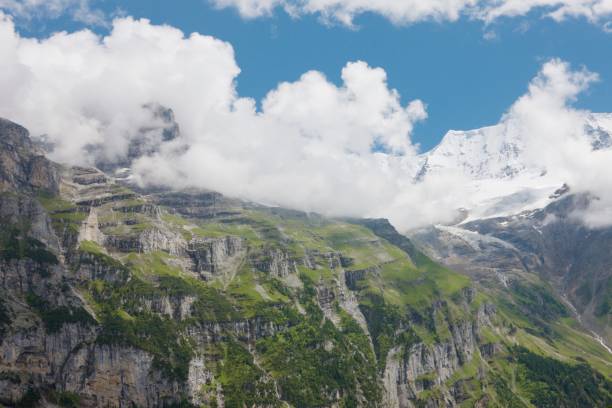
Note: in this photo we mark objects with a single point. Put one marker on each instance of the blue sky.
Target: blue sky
(466, 81)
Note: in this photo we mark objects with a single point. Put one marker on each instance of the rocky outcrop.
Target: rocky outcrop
(144, 208)
(21, 166)
(490, 350)
(249, 330)
(112, 376)
(14, 209)
(150, 240)
(327, 302)
(90, 229)
(106, 197)
(352, 278)
(159, 239)
(551, 243)
(92, 267)
(216, 257)
(201, 385)
(350, 304)
(332, 260)
(86, 176)
(409, 371)
(199, 204)
(175, 307)
(274, 261)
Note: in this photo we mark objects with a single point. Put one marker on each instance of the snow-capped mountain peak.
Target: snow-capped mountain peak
(489, 152)
(501, 180)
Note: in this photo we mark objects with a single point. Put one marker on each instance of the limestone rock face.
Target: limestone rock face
(213, 257)
(95, 267)
(409, 372)
(20, 166)
(276, 262)
(150, 240)
(116, 377)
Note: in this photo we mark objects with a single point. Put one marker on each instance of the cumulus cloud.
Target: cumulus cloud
(313, 145)
(556, 136)
(554, 131)
(412, 11)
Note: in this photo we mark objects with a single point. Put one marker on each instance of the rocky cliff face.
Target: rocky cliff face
(215, 257)
(552, 244)
(117, 298)
(411, 370)
(21, 167)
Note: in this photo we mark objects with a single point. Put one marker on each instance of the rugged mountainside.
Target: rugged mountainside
(549, 244)
(115, 297)
(523, 224)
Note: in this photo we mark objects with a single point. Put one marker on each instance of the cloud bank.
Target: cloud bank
(315, 146)
(555, 136)
(400, 12)
(412, 11)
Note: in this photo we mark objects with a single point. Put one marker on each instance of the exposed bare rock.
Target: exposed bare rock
(100, 267)
(276, 262)
(88, 175)
(248, 331)
(216, 257)
(90, 230)
(150, 240)
(327, 302)
(489, 350)
(408, 372)
(21, 166)
(116, 377)
(200, 385)
(176, 307)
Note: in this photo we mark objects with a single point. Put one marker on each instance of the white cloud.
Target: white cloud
(544, 117)
(399, 12)
(339, 150)
(251, 8)
(556, 139)
(344, 11)
(593, 10)
(313, 145)
(413, 11)
(79, 10)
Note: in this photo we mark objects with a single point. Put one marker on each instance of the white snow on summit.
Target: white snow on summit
(501, 181)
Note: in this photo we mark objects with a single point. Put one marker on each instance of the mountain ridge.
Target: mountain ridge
(114, 297)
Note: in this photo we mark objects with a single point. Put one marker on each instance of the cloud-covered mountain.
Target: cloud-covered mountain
(340, 150)
(501, 176)
(111, 297)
